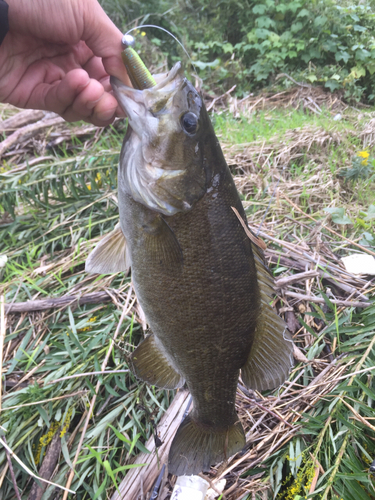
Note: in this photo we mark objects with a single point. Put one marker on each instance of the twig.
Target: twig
(263, 408)
(47, 467)
(30, 374)
(12, 471)
(67, 300)
(28, 131)
(288, 280)
(92, 404)
(13, 455)
(364, 249)
(3, 474)
(78, 393)
(336, 467)
(318, 300)
(285, 75)
(357, 416)
(105, 372)
(21, 119)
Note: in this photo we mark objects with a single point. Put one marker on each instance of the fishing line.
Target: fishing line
(169, 33)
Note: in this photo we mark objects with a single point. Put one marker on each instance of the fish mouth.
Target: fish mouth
(138, 103)
(160, 166)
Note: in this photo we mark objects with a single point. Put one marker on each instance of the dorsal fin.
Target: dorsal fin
(271, 355)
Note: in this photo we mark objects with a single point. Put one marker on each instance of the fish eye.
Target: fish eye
(189, 122)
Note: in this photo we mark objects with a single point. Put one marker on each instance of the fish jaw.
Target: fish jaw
(161, 165)
(132, 102)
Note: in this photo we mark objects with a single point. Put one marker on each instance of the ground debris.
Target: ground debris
(56, 302)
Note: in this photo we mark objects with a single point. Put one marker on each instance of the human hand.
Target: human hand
(58, 56)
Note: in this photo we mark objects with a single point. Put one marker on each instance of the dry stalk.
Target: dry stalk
(105, 372)
(78, 393)
(9, 461)
(2, 339)
(364, 249)
(13, 455)
(67, 300)
(92, 404)
(3, 473)
(336, 467)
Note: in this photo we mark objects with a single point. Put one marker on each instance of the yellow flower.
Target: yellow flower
(363, 154)
(143, 33)
(45, 440)
(67, 422)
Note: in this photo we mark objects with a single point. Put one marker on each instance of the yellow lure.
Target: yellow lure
(139, 75)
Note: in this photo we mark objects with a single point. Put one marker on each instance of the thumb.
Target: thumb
(104, 39)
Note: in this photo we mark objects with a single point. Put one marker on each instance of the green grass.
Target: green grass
(56, 209)
(263, 125)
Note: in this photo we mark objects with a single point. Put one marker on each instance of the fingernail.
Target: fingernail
(106, 115)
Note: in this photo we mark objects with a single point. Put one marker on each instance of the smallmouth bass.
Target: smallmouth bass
(203, 285)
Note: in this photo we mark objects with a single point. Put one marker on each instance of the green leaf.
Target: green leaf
(227, 48)
(296, 27)
(101, 488)
(332, 85)
(342, 56)
(110, 473)
(303, 13)
(204, 65)
(127, 467)
(311, 78)
(320, 21)
(338, 215)
(370, 214)
(358, 71)
(120, 436)
(259, 9)
(265, 22)
(43, 414)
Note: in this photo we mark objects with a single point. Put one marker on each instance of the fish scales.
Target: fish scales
(211, 306)
(201, 282)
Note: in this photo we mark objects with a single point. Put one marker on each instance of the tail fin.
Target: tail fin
(196, 447)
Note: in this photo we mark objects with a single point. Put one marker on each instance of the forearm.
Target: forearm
(4, 24)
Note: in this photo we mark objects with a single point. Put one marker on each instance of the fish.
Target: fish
(202, 283)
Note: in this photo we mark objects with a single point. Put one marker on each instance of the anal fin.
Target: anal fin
(110, 255)
(150, 364)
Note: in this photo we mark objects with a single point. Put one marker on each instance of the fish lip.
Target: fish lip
(135, 102)
(118, 86)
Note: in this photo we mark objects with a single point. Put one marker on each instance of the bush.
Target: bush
(250, 42)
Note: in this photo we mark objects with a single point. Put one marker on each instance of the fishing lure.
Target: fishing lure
(139, 75)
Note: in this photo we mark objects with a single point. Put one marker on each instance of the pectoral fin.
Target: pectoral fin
(162, 245)
(150, 364)
(271, 355)
(110, 255)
